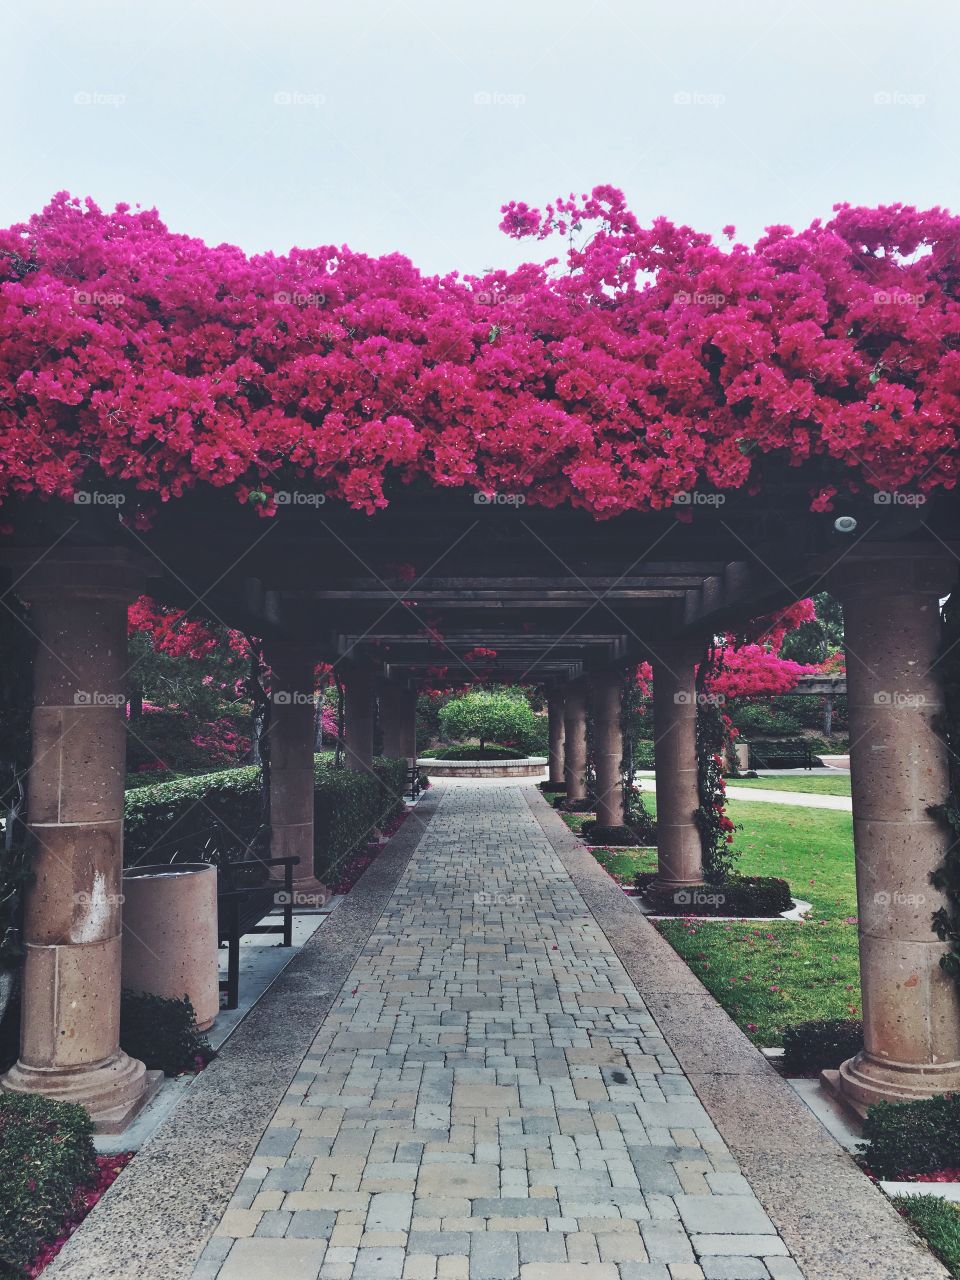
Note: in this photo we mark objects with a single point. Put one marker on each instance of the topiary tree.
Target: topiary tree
(489, 715)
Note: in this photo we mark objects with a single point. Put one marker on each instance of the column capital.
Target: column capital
(64, 572)
(894, 569)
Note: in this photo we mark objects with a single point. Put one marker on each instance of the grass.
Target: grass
(818, 784)
(938, 1222)
(769, 976)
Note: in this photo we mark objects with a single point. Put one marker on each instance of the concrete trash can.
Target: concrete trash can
(170, 934)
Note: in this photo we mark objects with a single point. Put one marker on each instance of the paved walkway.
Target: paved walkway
(488, 1098)
(806, 799)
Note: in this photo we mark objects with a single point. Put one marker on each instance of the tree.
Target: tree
(489, 715)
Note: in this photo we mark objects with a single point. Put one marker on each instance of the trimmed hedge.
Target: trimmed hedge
(214, 817)
(46, 1155)
(740, 896)
(821, 1044)
(466, 751)
(626, 836)
(912, 1137)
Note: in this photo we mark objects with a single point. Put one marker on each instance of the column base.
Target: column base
(660, 885)
(113, 1092)
(862, 1081)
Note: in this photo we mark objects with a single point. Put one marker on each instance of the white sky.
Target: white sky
(379, 139)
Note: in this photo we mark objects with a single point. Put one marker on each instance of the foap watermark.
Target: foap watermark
(298, 98)
(895, 498)
(96, 698)
(895, 698)
(700, 298)
(491, 498)
(97, 498)
(897, 298)
(293, 698)
(899, 899)
(498, 899)
(297, 899)
(684, 698)
(498, 298)
(695, 498)
(496, 98)
(897, 98)
(298, 498)
(96, 299)
(697, 98)
(97, 98)
(83, 899)
(698, 898)
(301, 299)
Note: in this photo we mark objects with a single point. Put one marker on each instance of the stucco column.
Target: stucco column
(69, 1045)
(398, 716)
(679, 852)
(898, 762)
(292, 711)
(555, 701)
(358, 708)
(575, 740)
(607, 747)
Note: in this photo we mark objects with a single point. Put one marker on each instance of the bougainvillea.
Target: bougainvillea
(651, 363)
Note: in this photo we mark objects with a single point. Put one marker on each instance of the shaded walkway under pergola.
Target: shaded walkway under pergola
(565, 601)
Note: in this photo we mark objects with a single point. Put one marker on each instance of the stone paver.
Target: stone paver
(488, 1098)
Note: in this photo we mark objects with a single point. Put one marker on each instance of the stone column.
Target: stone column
(291, 764)
(358, 707)
(607, 747)
(898, 762)
(679, 852)
(398, 715)
(575, 740)
(69, 1043)
(555, 701)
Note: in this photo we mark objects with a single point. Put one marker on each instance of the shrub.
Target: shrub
(628, 835)
(46, 1155)
(643, 757)
(586, 805)
(912, 1137)
(495, 715)
(162, 1033)
(465, 751)
(821, 1044)
(739, 896)
(215, 817)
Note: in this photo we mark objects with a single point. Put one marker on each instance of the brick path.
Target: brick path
(488, 1098)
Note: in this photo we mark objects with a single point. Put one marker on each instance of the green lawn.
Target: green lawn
(938, 1221)
(770, 975)
(817, 784)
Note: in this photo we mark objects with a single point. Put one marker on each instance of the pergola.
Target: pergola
(565, 601)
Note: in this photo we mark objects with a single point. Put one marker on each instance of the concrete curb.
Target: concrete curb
(156, 1218)
(836, 1223)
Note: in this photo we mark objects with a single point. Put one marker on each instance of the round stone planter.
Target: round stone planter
(170, 935)
(526, 767)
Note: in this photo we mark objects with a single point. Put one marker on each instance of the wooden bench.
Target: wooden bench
(794, 756)
(241, 908)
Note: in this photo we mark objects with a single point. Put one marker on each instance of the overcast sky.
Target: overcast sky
(405, 124)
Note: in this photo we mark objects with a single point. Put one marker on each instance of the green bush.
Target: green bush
(628, 835)
(162, 1033)
(466, 751)
(938, 1221)
(763, 719)
(739, 896)
(46, 1154)
(215, 817)
(490, 715)
(643, 754)
(912, 1137)
(821, 1044)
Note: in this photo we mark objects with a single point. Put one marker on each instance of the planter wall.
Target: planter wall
(170, 935)
(527, 767)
